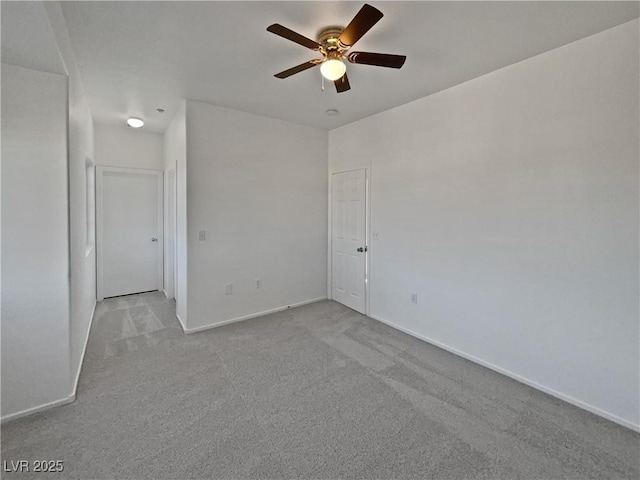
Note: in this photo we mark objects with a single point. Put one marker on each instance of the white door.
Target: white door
(129, 221)
(348, 238)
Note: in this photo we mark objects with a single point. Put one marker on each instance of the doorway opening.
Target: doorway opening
(129, 233)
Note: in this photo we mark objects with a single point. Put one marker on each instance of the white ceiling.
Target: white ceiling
(27, 37)
(135, 57)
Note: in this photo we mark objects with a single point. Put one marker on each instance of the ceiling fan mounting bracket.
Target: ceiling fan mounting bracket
(328, 37)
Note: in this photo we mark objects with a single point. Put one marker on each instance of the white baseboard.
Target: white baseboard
(248, 317)
(84, 349)
(167, 295)
(182, 324)
(39, 408)
(515, 376)
(62, 401)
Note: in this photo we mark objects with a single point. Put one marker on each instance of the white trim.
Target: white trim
(182, 324)
(39, 408)
(174, 238)
(349, 167)
(170, 229)
(64, 401)
(248, 317)
(329, 219)
(99, 263)
(84, 349)
(515, 376)
(160, 252)
(100, 170)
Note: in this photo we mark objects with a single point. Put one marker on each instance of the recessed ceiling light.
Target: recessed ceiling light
(135, 122)
(332, 112)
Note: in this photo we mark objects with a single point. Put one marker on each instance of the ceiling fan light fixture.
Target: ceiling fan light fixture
(333, 69)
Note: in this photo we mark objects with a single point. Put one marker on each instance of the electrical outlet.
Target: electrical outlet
(414, 298)
(202, 235)
(375, 235)
(258, 283)
(228, 289)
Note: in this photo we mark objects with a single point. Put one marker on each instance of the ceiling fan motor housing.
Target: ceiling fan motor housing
(328, 38)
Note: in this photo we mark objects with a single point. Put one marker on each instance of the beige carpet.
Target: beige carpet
(313, 392)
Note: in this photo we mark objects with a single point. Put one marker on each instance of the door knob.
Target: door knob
(362, 249)
(154, 239)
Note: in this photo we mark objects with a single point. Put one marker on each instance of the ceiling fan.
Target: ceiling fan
(334, 44)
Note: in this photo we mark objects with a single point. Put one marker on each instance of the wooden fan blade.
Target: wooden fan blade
(377, 59)
(366, 18)
(284, 32)
(342, 84)
(297, 69)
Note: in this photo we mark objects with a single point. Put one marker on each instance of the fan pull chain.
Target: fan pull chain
(322, 79)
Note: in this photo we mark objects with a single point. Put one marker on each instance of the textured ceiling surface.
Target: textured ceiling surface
(135, 57)
(27, 39)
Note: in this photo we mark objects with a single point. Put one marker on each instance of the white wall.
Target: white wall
(128, 147)
(82, 254)
(175, 157)
(35, 241)
(509, 204)
(258, 187)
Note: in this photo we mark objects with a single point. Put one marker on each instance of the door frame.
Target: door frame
(349, 167)
(170, 234)
(100, 170)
